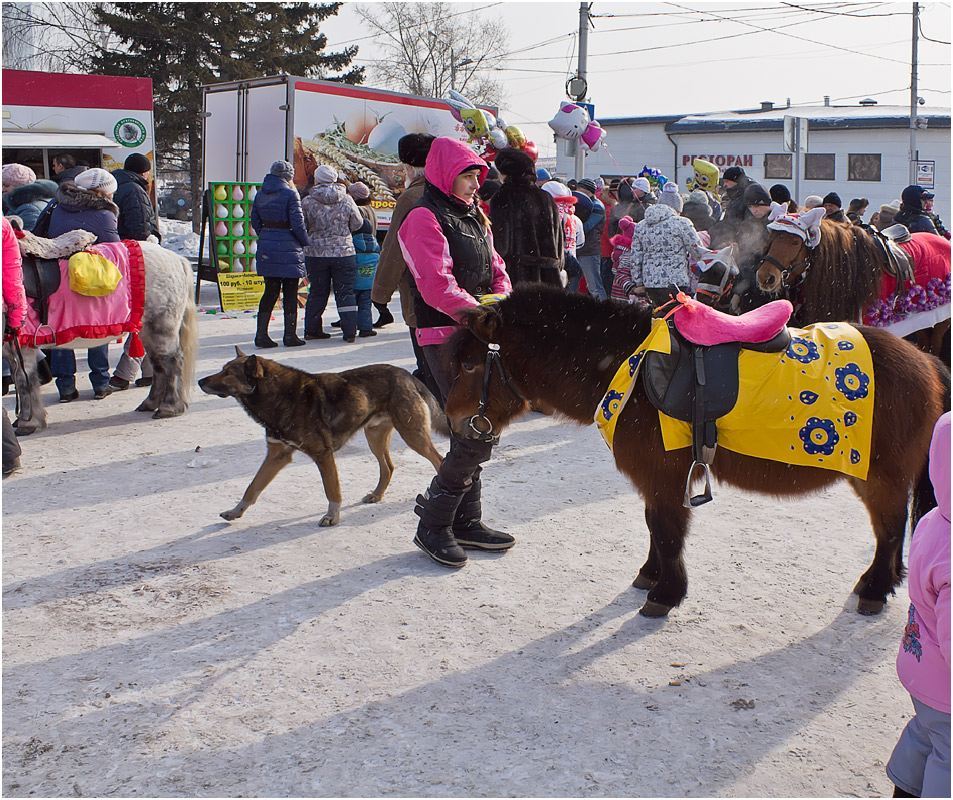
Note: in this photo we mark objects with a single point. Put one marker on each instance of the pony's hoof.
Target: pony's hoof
(145, 405)
(654, 610)
(870, 607)
(643, 582)
(26, 430)
(166, 413)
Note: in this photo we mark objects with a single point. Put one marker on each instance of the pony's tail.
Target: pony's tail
(923, 497)
(189, 337)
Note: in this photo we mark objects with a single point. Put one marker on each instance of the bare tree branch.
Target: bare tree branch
(52, 37)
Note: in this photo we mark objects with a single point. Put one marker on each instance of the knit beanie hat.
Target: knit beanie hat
(138, 163)
(698, 196)
(513, 163)
(643, 185)
(733, 174)
(97, 179)
(669, 196)
(755, 195)
(780, 193)
(283, 170)
(325, 174)
(586, 183)
(833, 198)
(813, 201)
(543, 175)
(15, 175)
(413, 149)
(359, 191)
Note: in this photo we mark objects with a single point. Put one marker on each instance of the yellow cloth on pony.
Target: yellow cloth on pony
(811, 405)
(93, 275)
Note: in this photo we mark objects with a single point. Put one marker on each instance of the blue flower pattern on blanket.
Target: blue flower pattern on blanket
(634, 362)
(819, 436)
(803, 351)
(610, 404)
(852, 381)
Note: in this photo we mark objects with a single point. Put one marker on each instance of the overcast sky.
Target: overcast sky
(648, 58)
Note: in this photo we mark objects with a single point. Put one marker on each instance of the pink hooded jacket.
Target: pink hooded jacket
(425, 248)
(923, 663)
(14, 298)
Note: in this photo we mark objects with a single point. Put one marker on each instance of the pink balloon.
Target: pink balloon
(531, 149)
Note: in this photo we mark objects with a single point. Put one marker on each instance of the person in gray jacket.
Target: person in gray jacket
(330, 215)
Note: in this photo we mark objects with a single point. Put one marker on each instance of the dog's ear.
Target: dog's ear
(238, 352)
(484, 321)
(253, 368)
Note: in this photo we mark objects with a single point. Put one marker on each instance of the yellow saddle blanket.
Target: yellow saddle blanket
(811, 405)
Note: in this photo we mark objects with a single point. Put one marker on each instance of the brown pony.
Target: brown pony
(561, 351)
(837, 279)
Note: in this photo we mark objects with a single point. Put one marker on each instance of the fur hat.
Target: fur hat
(413, 149)
(98, 179)
(359, 191)
(780, 193)
(138, 163)
(813, 201)
(513, 163)
(833, 198)
(325, 174)
(283, 169)
(892, 207)
(643, 185)
(669, 196)
(585, 183)
(15, 175)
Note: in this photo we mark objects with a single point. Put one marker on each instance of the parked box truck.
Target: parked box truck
(250, 124)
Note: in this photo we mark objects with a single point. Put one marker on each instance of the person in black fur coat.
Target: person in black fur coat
(527, 231)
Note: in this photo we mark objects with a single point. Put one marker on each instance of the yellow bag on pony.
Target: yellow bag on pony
(92, 275)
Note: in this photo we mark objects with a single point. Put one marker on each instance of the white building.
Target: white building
(856, 151)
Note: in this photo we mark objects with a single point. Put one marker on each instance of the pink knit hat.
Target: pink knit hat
(15, 175)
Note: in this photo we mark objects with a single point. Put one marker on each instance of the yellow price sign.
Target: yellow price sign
(240, 291)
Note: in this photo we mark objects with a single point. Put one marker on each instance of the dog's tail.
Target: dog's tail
(438, 418)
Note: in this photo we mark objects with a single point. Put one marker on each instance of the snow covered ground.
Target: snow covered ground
(152, 649)
(178, 237)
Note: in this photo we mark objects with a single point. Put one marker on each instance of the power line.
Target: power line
(846, 14)
(923, 35)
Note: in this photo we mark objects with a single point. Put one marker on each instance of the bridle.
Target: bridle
(481, 428)
(793, 275)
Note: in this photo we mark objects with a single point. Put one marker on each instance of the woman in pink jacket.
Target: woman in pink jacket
(14, 312)
(920, 764)
(449, 252)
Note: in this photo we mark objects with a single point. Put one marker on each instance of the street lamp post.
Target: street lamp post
(453, 69)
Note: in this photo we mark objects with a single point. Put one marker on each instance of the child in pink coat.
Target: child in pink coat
(920, 763)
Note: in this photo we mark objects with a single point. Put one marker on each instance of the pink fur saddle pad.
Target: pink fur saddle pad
(704, 325)
(74, 316)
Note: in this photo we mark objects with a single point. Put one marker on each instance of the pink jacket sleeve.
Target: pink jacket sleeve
(427, 255)
(14, 298)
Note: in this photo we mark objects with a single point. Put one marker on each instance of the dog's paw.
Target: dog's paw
(371, 497)
(327, 521)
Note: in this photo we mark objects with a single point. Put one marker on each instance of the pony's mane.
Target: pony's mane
(845, 275)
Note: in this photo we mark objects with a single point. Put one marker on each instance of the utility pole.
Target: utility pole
(914, 98)
(580, 170)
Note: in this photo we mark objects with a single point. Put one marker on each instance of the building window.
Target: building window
(819, 166)
(863, 167)
(778, 166)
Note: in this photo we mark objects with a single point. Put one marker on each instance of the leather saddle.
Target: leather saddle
(41, 278)
(698, 384)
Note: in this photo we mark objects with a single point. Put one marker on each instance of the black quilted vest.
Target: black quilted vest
(469, 250)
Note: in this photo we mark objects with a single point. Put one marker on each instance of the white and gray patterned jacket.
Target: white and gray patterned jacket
(663, 246)
(330, 214)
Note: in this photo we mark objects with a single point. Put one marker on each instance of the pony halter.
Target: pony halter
(794, 274)
(481, 428)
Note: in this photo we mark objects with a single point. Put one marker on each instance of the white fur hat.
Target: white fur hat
(96, 178)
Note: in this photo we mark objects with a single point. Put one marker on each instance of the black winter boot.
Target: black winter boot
(468, 528)
(385, 318)
(436, 508)
(291, 323)
(262, 339)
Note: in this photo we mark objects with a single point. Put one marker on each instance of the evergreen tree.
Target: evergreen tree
(182, 46)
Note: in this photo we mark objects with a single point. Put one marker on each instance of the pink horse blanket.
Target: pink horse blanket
(76, 316)
(930, 255)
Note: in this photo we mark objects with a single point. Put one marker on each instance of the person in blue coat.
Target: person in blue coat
(279, 225)
(27, 202)
(911, 210)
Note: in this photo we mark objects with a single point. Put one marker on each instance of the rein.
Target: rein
(479, 423)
